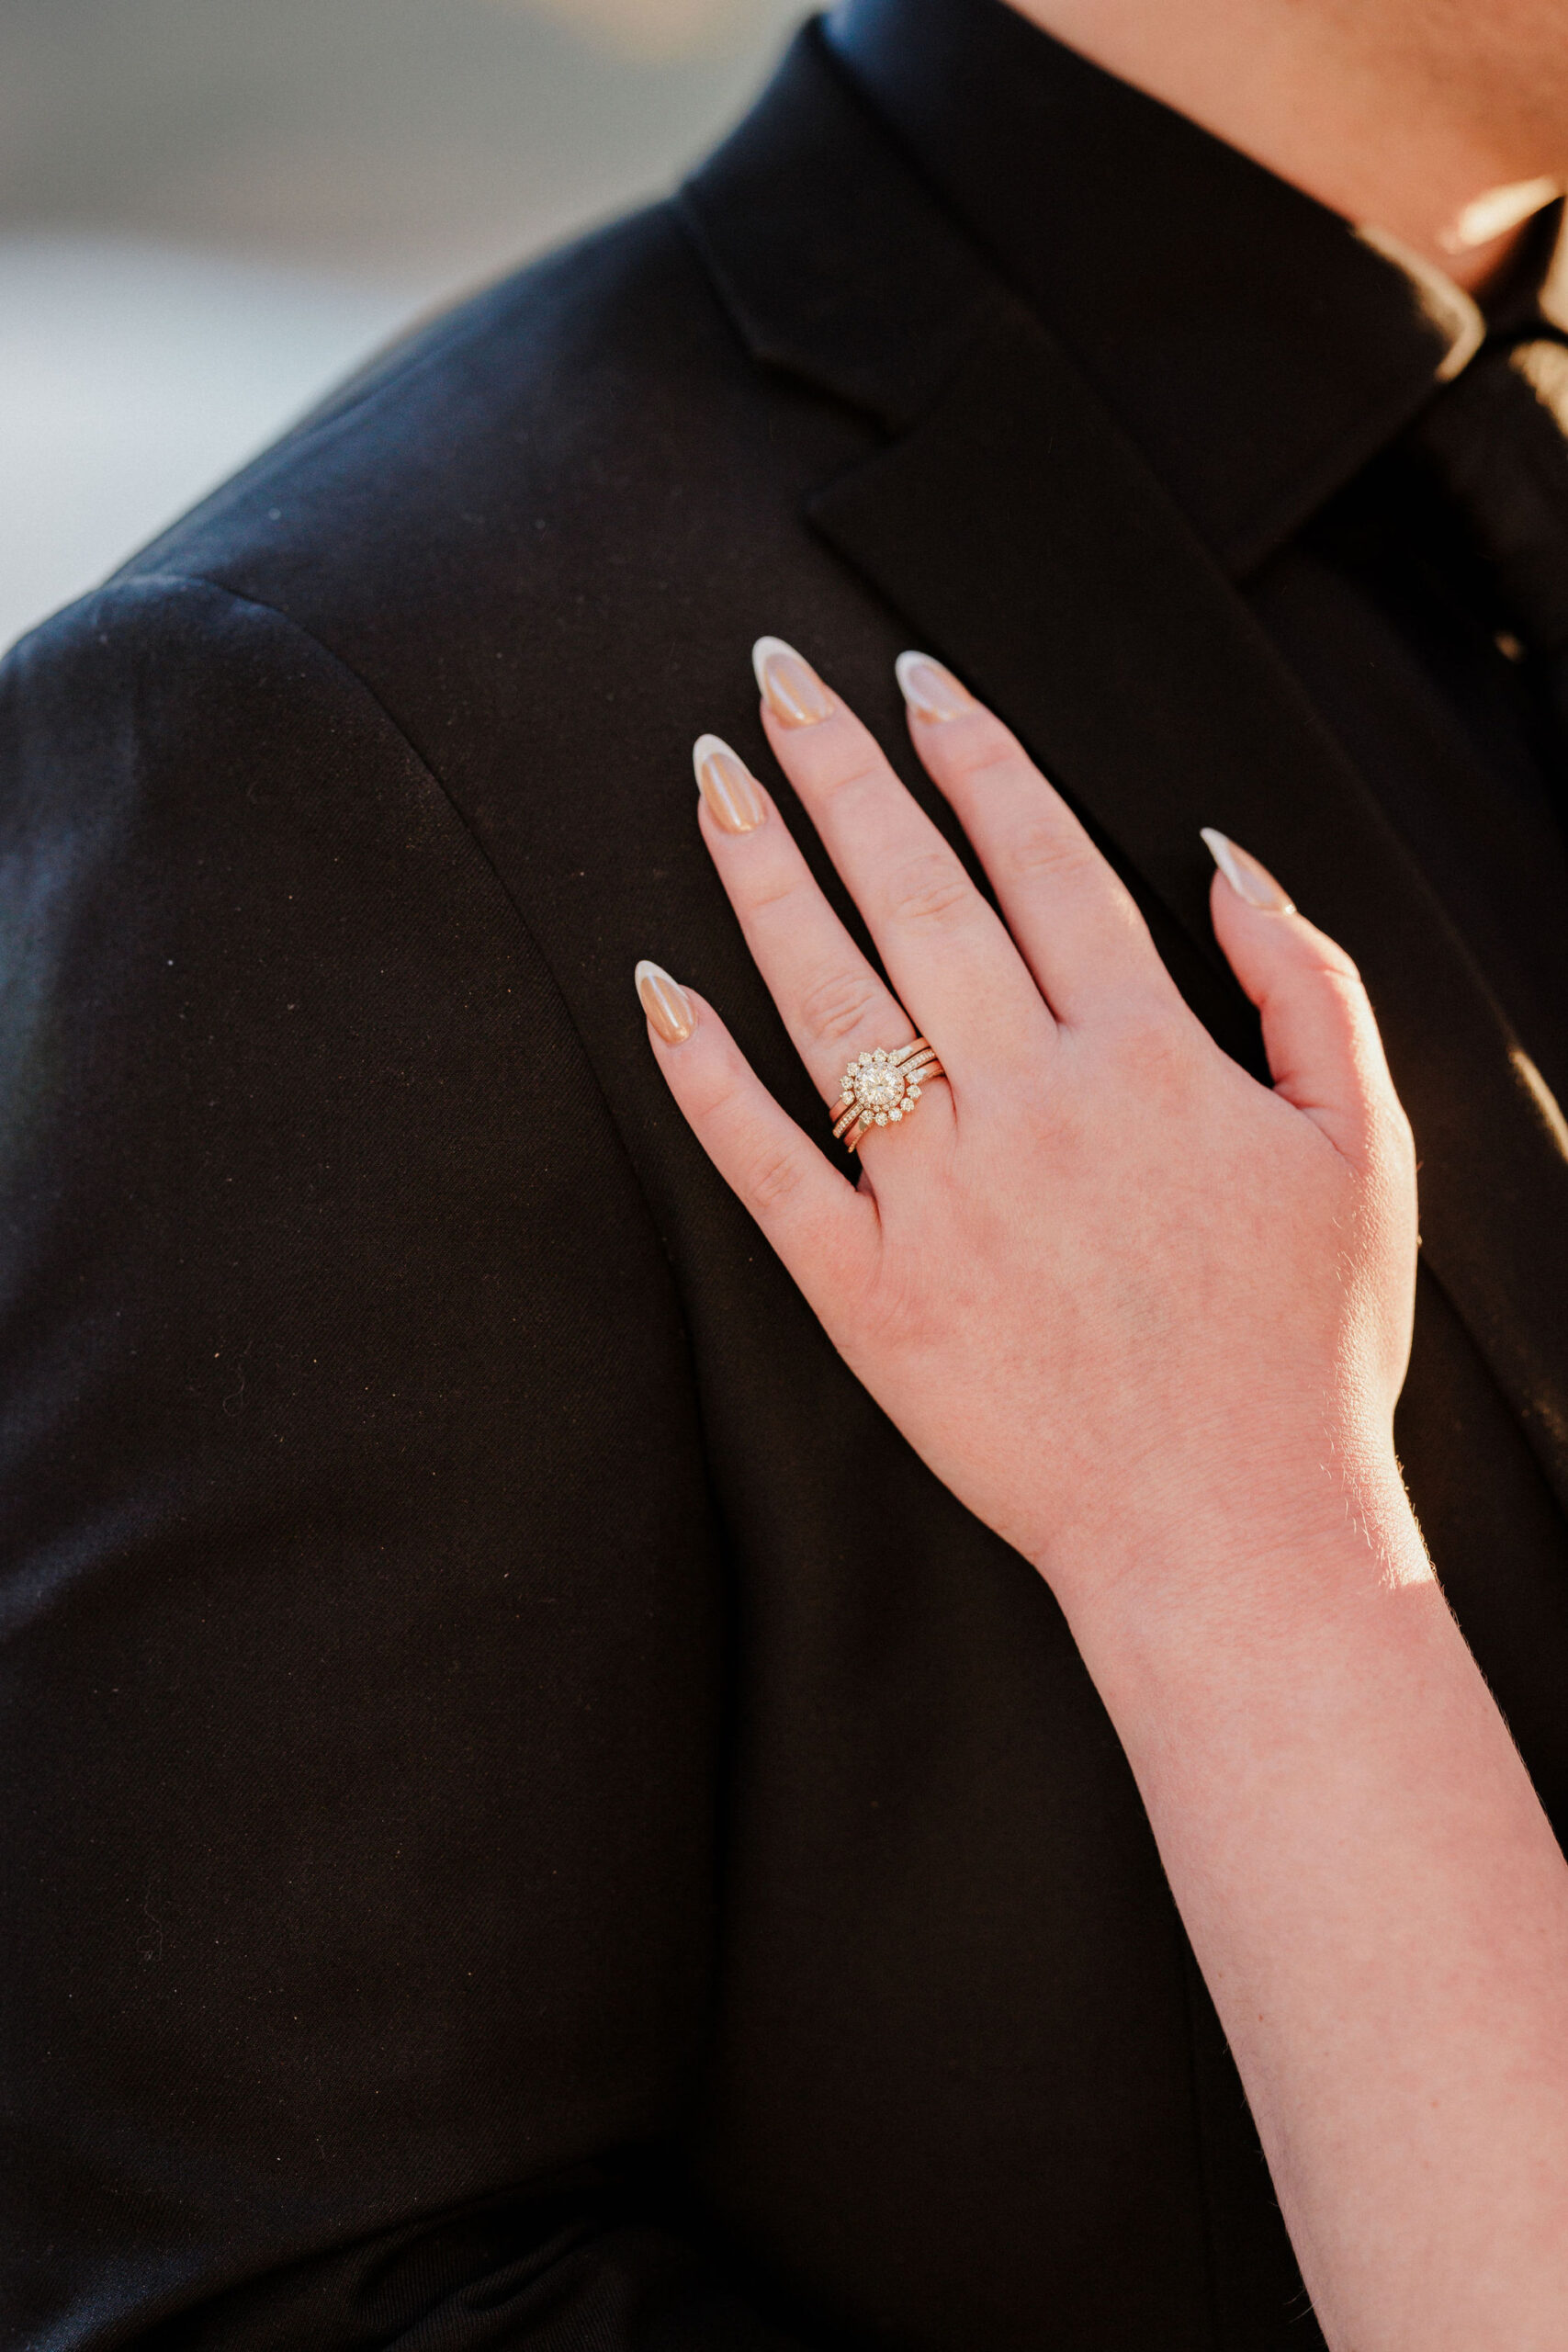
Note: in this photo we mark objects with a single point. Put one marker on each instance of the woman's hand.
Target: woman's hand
(1100, 1278)
(1149, 1318)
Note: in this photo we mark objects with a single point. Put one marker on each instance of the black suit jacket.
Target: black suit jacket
(528, 1817)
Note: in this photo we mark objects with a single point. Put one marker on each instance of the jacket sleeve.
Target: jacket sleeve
(358, 1604)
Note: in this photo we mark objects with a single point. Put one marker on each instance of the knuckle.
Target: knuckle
(1324, 959)
(841, 1004)
(1156, 1052)
(985, 749)
(897, 1320)
(932, 893)
(713, 1095)
(855, 776)
(1343, 1006)
(763, 892)
(773, 1176)
(1044, 851)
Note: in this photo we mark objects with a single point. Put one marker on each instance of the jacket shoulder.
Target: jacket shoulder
(616, 333)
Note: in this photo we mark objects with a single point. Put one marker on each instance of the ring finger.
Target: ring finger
(833, 1002)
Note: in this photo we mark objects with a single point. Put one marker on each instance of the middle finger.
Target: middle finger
(946, 951)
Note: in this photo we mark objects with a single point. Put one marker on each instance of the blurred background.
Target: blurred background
(210, 209)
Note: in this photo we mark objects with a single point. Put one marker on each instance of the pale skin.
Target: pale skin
(1149, 1318)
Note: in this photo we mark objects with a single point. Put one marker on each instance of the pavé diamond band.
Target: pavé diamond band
(880, 1089)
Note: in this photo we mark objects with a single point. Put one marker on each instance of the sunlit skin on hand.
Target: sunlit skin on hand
(1020, 1274)
(1149, 1318)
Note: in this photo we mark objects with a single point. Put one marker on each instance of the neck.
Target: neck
(1303, 90)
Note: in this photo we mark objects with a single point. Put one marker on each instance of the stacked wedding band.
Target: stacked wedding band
(880, 1089)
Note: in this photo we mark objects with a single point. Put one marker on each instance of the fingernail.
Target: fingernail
(790, 687)
(1247, 877)
(931, 690)
(666, 1003)
(728, 786)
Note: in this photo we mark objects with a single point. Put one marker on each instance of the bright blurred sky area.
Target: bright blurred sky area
(211, 209)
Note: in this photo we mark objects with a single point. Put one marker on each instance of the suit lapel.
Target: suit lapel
(1025, 540)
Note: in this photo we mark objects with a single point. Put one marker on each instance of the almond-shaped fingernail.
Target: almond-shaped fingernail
(790, 687)
(932, 692)
(1247, 877)
(727, 784)
(666, 1003)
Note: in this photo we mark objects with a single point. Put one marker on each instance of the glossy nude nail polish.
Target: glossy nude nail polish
(1247, 877)
(932, 692)
(790, 687)
(666, 1003)
(726, 783)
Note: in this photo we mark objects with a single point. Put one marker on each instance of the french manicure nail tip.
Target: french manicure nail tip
(666, 1003)
(790, 687)
(1249, 880)
(930, 690)
(728, 786)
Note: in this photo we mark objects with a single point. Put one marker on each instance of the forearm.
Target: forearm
(1377, 1903)
(1100, 1266)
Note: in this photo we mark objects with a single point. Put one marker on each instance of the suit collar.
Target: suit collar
(1023, 538)
(1253, 347)
(1257, 349)
(833, 265)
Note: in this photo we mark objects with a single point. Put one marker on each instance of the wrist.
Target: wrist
(1266, 1546)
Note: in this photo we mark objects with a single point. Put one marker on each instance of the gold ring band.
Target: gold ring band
(916, 1061)
(845, 1116)
(881, 1088)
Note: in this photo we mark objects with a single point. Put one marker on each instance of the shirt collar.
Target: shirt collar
(1256, 347)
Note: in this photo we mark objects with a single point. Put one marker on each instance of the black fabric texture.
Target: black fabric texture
(529, 1818)
(1496, 446)
(1278, 373)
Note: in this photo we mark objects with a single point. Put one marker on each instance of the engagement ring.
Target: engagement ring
(880, 1089)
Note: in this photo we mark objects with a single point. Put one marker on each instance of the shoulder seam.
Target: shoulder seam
(415, 351)
(273, 612)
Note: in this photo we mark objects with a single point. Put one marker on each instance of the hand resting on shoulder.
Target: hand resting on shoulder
(1149, 1320)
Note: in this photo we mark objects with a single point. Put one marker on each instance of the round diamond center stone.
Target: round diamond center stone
(879, 1088)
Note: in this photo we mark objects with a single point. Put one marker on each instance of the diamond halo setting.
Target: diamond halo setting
(881, 1088)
